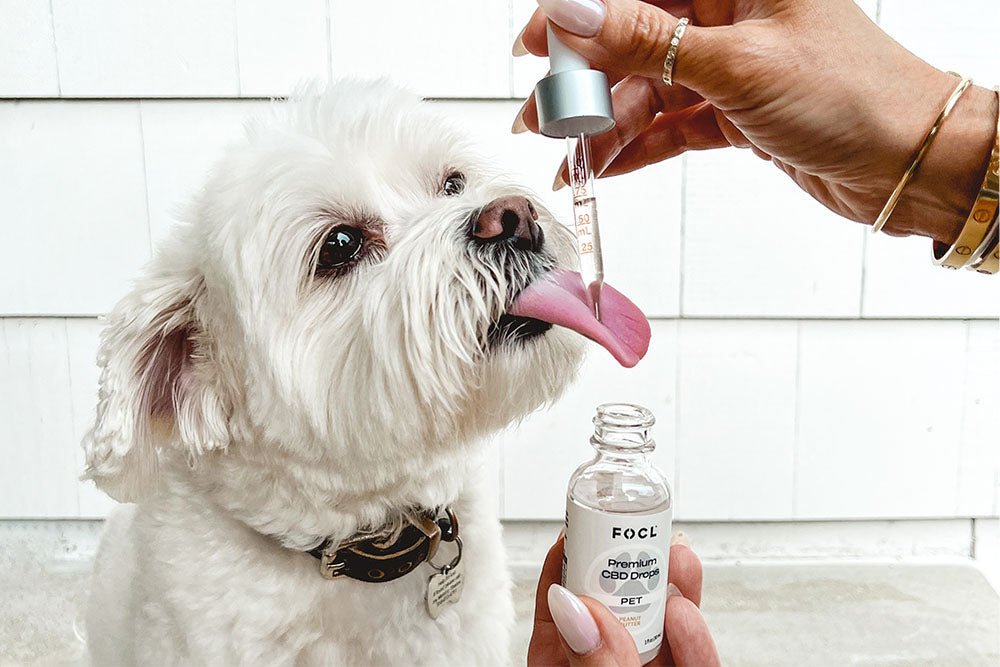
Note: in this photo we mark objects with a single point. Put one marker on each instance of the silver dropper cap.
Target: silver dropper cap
(574, 103)
(574, 99)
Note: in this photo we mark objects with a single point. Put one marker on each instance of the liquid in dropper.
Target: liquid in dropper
(588, 237)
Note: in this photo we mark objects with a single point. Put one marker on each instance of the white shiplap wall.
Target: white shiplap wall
(844, 361)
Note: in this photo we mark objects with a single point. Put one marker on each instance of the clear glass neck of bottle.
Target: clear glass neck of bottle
(622, 431)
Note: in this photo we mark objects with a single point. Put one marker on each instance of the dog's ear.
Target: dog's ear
(158, 388)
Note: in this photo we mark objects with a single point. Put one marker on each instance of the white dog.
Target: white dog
(311, 360)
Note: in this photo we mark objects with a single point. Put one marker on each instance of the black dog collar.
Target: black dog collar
(377, 557)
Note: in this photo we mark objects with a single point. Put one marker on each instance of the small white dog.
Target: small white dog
(294, 391)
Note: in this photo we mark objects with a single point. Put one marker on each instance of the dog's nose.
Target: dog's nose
(511, 219)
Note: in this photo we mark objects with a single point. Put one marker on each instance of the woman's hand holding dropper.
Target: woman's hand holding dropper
(812, 85)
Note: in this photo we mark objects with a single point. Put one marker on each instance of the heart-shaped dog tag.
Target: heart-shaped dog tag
(443, 589)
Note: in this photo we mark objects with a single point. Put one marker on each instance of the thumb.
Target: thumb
(688, 636)
(632, 36)
(591, 635)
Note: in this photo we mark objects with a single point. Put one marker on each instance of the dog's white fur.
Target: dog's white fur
(250, 408)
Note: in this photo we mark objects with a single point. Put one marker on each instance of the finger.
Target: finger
(688, 637)
(527, 117)
(533, 35)
(590, 634)
(668, 136)
(685, 570)
(551, 574)
(636, 101)
(534, 40)
(635, 36)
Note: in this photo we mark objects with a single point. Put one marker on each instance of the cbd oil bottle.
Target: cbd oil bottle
(618, 515)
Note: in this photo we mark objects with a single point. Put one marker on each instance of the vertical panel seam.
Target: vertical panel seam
(796, 420)
(682, 234)
(236, 47)
(145, 175)
(972, 538)
(329, 42)
(677, 412)
(72, 415)
(510, 55)
(963, 415)
(55, 47)
(864, 272)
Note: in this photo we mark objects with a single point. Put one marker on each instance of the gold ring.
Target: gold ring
(668, 62)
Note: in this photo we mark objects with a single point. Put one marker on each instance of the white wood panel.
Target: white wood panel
(639, 213)
(962, 39)
(441, 48)
(38, 477)
(979, 465)
(901, 281)
(880, 410)
(154, 48)
(74, 205)
(182, 139)
(81, 340)
(540, 455)
(736, 422)
(281, 44)
(27, 50)
(755, 244)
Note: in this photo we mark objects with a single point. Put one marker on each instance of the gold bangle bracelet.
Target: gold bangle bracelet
(919, 156)
(991, 263)
(979, 223)
(981, 252)
(989, 257)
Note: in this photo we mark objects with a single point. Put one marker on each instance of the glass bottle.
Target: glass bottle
(618, 514)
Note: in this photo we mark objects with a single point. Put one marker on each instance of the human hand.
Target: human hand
(812, 85)
(599, 635)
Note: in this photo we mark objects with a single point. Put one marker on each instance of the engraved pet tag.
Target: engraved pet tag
(443, 589)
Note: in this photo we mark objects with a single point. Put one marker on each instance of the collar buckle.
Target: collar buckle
(380, 557)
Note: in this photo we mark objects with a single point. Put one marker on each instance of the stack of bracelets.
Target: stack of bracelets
(976, 247)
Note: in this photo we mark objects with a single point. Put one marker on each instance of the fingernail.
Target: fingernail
(680, 538)
(562, 534)
(580, 17)
(518, 48)
(559, 183)
(672, 591)
(518, 127)
(573, 620)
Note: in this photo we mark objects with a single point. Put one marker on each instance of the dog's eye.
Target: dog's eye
(454, 184)
(341, 246)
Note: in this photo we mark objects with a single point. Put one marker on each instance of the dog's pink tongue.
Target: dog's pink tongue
(559, 298)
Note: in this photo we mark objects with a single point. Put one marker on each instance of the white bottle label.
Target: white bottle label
(621, 560)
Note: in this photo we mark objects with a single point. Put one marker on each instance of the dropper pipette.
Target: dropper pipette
(588, 236)
(574, 102)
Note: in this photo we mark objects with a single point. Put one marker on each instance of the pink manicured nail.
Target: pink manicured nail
(672, 591)
(680, 538)
(518, 49)
(573, 620)
(518, 127)
(580, 17)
